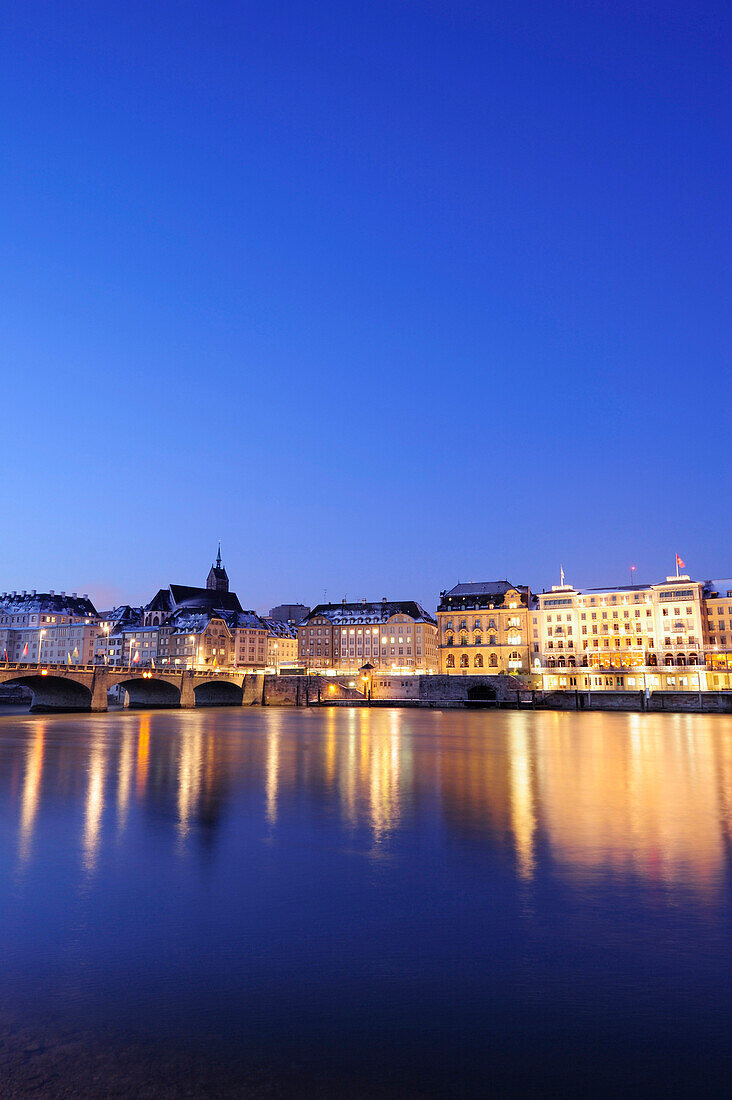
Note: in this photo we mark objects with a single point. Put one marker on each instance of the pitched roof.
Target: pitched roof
(58, 603)
(485, 588)
(184, 595)
(377, 612)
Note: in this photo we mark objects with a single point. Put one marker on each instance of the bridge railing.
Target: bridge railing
(33, 666)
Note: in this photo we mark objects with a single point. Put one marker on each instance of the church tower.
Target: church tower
(218, 580)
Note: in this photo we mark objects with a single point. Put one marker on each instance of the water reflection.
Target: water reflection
(31, 790)
(94, 804)
(642, 794)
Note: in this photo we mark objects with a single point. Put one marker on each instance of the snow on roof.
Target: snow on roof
(369, 612)
(59, 603)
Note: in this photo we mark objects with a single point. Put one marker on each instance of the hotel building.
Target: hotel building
(483, 628)
(717, 621)
(631, 637)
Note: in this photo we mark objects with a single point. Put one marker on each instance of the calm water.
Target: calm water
(364, 902)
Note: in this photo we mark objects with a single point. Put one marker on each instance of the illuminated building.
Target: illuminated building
(717, 622)
(388, 635)
(47, 626)
(483, 628)
(282, 643)
(633, 637)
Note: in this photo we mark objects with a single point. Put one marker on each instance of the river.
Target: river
(354, 902)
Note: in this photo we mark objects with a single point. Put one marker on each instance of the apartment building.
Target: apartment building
(47, 627)
(394, 635)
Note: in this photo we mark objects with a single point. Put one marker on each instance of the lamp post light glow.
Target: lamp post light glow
(40, 645)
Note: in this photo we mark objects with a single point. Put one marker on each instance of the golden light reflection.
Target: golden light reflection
(143, 754)
(94, 805)
(31, 790)
(190, 773)
(272, 768)
(522, 800)
(124, 781)
(641, 793)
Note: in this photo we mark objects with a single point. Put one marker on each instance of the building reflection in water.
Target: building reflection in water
(272, 767)
(143, 754)
(124, 784)
(522, 796)
(31, 790)
(190, 771)
(649, 795)
(637, 792)
(94, 808)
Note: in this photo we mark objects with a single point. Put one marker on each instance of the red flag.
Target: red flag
(136, 658)
(25, 650)
(679, 562)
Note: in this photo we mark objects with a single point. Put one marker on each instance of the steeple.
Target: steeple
(218, 580)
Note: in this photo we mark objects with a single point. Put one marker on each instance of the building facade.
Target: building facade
(39, 627)
(717, 623)
(483, 628)
(399, 636)
(282, 643)
(626, 638)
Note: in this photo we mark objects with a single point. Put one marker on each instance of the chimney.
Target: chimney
(52, 593)
(33, 592)
(85, 596)
(74, 595)
(63, 594)
(343, 600)
(363, 599)
(383, 599)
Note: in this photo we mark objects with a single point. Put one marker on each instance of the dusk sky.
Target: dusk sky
(384, 295)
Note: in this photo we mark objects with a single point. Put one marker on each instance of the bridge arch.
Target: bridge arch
(148, 693)
(218, 693)
(53, 692)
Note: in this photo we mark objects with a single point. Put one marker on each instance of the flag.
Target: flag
(25, 650)
(679, 562)
(6, 655)
(153, 661)
(136, 658)
(561, 575)
(68, 656)
(76, 651)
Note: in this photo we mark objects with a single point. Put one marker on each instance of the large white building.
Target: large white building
(626, 638)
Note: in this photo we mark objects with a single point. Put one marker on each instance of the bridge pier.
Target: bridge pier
(187, 692)
(99, 691)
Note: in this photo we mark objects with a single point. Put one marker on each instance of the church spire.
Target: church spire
(217, 578)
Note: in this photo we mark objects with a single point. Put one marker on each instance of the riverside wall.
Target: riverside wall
(466, 692)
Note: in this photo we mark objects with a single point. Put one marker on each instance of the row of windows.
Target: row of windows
(514, 658)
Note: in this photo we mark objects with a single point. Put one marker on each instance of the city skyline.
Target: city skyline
(106, 594)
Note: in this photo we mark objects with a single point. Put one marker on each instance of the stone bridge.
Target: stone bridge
(85, 687)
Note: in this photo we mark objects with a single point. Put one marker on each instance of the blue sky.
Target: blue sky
(385, 295)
